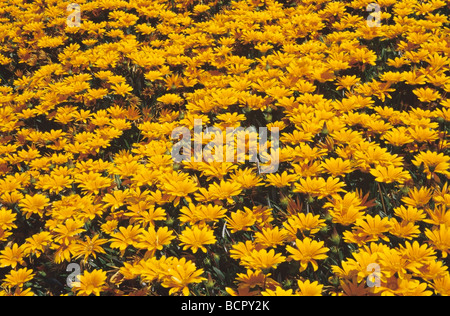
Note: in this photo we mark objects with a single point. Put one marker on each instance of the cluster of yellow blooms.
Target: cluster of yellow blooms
(360, 204)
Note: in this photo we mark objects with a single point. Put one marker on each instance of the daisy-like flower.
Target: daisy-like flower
(271, 237)
(90, 247)
(308, 288)
(195, 238)
(19, 277)
(180, 274)
(308, 251)
(225, 190)
(12, 256)
(440, 239)
(91, 283)
(262, 259)
(433, 163)
(128, 236)
(153, 239)
(303, 223)
(390, 174)
(180, 189)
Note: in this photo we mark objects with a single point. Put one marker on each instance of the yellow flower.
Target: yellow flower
(91, 283)
(12, 256)
(180, 189)
(7, 218)
(418, 197)
(410, 214)
(303, 223)
(271, 237)
(442, 285)
(34, 204)
(308, 288)
(373, 227)
(281, 180)
(122, 89)
(404, 229)
(195, 238)
(418, 255)
(308, 251)
(125, 237)
(92, 182)
(252, 279)
(89, 248)
(346, 210)
(241, 250)
(433, 163)
(153, 239)
(67, 231)
(37, 243)
(240, 221)
(170, 99)
(440, 239)
(427, 94)
(390, 174)
(279, 291)
(225, 190)
(262, 259)
(18, 277)
(337, 167)
(180, 273)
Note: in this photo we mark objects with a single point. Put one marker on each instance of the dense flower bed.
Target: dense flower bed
(359, 204)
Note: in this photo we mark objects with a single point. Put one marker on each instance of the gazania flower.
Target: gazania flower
(153, 239)
(67, 231)
(7, 218)
(346, 210)
(442, 285)
(281, 180)
(91, 283)
(337, 167)
(426, 94)
(180, 274)
(303, 223)
(18, 277)
(252, 279)
(433, 163)
(404, 229)
(418, 255)
(195, 238)
(125, 237)
(12, 256)
(262, 259)
(308, 251)
(418, 197)
(37, 243)
(240, 221)
(308, 288)
(225, 190)
(390, 174)
(440, 239)
(373, 227)
(279, 291)
(34, 204)
(269, 237)
(89, 248)
(180, 189)
(410, 214)
(122, 89)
